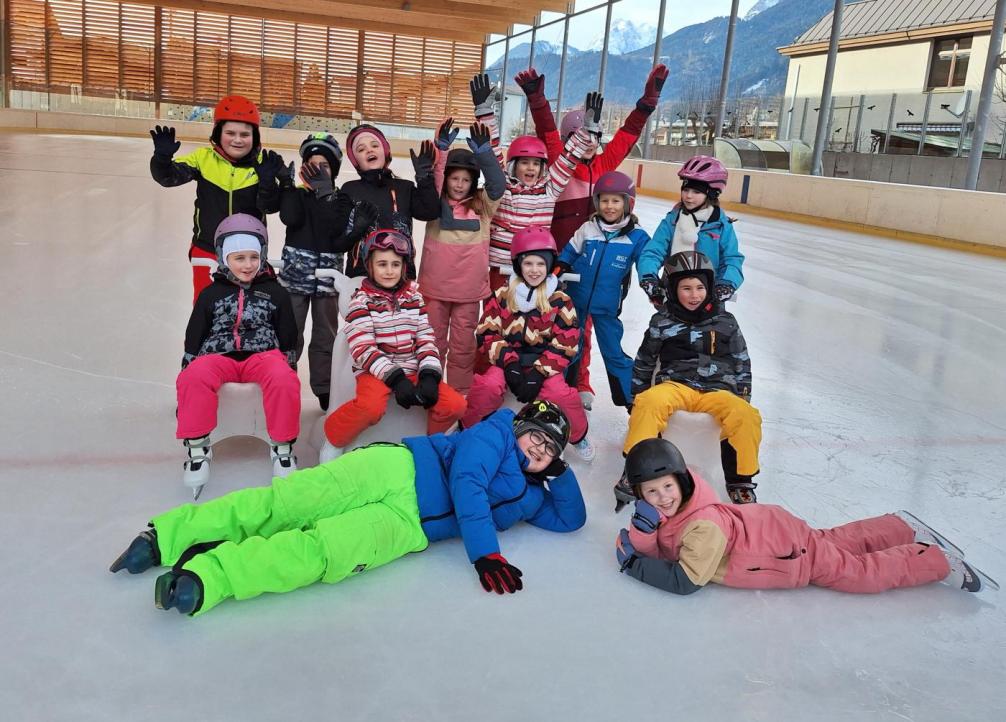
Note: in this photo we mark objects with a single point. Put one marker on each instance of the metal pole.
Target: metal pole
(506, 70)
(859, 123)
(964, 124)
(827, 132)
(890, 121)
(925, 124)
(1002, 144)
(656, 61)
(792, 107)
(823, 123)
(803, 117)
(721, 107)
(604, 51)
(562, 71)
(530, 64)
(985, 97)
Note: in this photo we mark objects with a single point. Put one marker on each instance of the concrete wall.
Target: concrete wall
(678, 153)
(939, 172)
(905, 211)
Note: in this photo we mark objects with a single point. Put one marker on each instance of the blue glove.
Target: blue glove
(647, 518)
(625, 553)
(446, 135)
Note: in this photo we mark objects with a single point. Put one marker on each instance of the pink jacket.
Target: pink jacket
(755, 546)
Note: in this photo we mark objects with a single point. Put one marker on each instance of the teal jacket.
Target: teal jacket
(717, 242)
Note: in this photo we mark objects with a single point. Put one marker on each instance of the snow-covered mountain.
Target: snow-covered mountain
(626, 36)
(760, 6)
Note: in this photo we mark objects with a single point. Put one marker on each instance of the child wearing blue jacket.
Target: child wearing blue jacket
(602, 251)
(366, 508)
(698, 224)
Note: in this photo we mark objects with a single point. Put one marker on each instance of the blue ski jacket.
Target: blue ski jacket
(473, 484)
(717, 242)
(603, 255)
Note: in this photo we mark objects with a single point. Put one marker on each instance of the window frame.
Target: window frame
(938, 83)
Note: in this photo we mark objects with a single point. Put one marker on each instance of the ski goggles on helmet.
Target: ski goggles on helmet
(387, 240)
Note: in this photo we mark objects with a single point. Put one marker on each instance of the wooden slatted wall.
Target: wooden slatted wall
(108, 48)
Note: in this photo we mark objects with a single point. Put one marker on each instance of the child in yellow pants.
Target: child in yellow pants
(693, 358)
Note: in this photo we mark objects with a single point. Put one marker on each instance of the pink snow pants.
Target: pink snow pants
(454, 329)
(872, 555)
(198, 383)
(487, 391)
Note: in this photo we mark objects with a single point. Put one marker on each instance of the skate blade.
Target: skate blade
(162, 591)
(196, 491)
(987, 581)
(944, 542)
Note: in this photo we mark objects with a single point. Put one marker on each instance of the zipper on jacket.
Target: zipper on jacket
(712, 343)
(237, 320)
(604, 250)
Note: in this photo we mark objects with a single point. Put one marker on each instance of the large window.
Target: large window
(949, 66)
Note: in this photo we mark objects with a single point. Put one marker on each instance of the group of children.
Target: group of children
(486, 312)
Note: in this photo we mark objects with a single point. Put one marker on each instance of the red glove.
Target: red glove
(654, 84)
(533, 86)
(498, 575)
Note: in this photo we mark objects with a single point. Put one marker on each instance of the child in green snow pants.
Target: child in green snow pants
(325, 523)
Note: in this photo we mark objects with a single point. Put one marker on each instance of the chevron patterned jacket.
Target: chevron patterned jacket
(545, 341)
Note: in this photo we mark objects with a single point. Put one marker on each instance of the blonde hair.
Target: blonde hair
(541, 295)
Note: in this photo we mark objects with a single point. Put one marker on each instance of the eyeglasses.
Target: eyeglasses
(541, 440)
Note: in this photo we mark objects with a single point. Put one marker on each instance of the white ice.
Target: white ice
(878, 370)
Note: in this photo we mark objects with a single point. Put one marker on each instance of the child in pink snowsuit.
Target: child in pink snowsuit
(242, 330)
(454, 273)
(682, 538)
(530, 334)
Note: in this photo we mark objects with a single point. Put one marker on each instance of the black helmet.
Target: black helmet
(653, 458)
(461, 158)
(323, 144)
(545, 417)
(688, 264)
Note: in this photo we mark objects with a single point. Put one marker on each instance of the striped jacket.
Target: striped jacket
(530, 205)
(389, 330)
(547, 342)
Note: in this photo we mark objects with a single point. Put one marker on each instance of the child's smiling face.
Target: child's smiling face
(664, 493)
(369, 152)
(236, 139)
(244, 265)
(691, 293)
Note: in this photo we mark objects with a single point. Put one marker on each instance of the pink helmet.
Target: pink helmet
(705, 169)
(526, 146)
(571, 122)
(533, 239)
(615, 182)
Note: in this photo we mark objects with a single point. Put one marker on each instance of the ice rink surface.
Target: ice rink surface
(878, 370)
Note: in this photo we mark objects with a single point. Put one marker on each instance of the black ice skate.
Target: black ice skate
(623, 493)
(742, 492)
(178, 590)
(140, 555)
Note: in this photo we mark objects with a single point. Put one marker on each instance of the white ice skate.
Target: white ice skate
(587, 400)
(967, 576)
(197, 467)
(926, 534)
(283, 460)
(329, 452)
(585, 449)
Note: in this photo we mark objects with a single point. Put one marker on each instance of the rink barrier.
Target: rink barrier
(943, 217)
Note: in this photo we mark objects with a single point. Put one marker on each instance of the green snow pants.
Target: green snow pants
(356, 512)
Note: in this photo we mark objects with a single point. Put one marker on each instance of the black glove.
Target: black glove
(514, 377)
(481, 90)
(285, 175)
(723, 291)
(319, 180)
(533, 86)
(498, 575)
(530, 386)
(405, 390)
(423, 163)
(429, 388)
(165, 145)
(446, 134)
(652, 288)
(365, 215)
(556, 468)
(271, 166)
(479, 138)
(592, 112)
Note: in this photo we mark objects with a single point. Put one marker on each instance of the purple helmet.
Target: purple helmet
(615, 182)
(241, 223)
(705, 169)
(571, 122)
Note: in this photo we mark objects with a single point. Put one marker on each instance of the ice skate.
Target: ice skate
(329, 452)
(140, 555)
(742, 491)
(926, 534)
(587, 400)
(585, 449)
(623, 493)
(178, 590)
(967, 576)
(197, 467)
(283, 460)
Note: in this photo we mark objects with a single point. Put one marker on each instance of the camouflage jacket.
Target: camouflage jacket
(708, 355)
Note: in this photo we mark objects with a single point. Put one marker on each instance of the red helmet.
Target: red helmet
(615, 182)
(237, 108)
(526, 146)
(704, 169)
(533, 239)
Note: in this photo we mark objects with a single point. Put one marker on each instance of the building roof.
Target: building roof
(896, 19)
